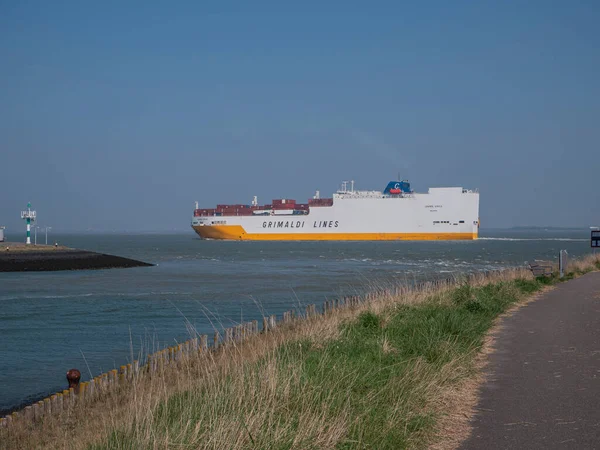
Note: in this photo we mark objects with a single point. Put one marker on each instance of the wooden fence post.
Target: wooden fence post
(255, 326)
(112, 379)
(204, 343)
(28, 413)
(92, 388)
(273, 321)
(54, 404)
(216, 340)
(265, 324)
(40, 409)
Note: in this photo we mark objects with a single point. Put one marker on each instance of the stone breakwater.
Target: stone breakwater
(21, 258)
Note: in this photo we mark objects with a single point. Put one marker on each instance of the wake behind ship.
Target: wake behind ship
(397, 213)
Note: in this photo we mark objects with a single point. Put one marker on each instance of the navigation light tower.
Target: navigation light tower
(29, 216)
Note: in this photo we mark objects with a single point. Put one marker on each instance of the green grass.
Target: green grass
(374, 386)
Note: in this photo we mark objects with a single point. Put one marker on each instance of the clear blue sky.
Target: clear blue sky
(118, 116)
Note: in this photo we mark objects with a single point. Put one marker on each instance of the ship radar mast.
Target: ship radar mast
(29, 217)
(317, 195)
(255, 201)
(345, 186)
(196, 205)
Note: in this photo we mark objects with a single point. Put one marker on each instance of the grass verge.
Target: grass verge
(366, 378)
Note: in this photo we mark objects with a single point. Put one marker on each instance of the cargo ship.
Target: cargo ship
(396, 213)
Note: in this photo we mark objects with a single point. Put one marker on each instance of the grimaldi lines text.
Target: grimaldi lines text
(396, 213)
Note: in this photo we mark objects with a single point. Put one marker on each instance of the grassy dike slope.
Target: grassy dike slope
(384, 375)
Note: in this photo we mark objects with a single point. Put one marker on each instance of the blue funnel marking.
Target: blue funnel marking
(404, 187)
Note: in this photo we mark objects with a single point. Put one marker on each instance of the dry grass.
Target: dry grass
(271, 391)
(20, 247)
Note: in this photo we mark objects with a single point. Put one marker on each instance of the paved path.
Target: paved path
(543, 390)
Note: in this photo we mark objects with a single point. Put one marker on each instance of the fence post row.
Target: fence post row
(111, 380)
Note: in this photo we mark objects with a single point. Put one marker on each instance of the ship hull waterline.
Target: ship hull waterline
(237, 233)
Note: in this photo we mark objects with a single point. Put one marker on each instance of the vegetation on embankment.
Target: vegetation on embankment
(371, 377)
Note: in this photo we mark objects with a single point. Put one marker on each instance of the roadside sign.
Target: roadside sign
(595, 239)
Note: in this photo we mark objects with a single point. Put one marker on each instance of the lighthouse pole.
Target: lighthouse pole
(29, 217)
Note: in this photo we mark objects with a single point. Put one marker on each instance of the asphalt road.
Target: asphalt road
(543, 389)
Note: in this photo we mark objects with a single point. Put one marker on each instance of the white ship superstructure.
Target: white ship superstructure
(397, 213)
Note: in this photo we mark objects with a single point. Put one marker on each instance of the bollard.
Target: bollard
(73, 377)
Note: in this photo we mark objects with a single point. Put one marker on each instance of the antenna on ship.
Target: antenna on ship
(29, 216)
(352, 186)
